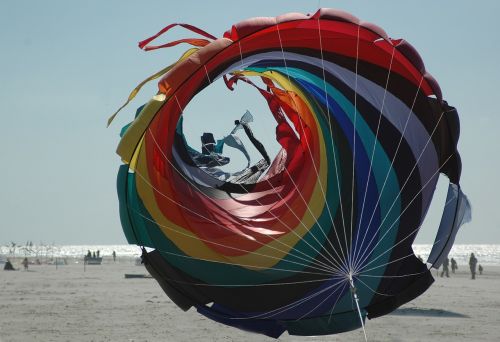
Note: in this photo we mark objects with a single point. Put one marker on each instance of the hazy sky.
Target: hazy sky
(65, 66)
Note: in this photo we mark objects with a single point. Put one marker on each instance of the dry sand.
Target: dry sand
(68, 304)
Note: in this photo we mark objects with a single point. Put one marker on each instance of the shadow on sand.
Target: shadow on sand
(427, 313)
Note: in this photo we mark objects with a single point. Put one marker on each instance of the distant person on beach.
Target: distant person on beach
(8, 266)
(454, 265)
(93, 254)
(445, 270)
(98, 252)
(472, 265)
(480, 269)
(25, 263)
(89, 255)
(114, 256)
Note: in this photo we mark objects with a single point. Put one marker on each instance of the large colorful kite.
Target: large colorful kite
(318, 237)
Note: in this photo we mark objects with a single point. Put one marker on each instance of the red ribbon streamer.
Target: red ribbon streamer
(193, 41)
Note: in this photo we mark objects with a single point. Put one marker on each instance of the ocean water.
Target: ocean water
(487, 254)
(70, 251)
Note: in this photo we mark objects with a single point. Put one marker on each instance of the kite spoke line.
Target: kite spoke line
(333, 259)
(372, 290)
(335, 304)
(373, 154)
(393, 159)
(345, 254)
(361, 255)
(310, 298)
(397, 219)
(354, 140)
(284, 308)
(385, 264)
(393, 276)
(333, 150)
(324, 300)
(335, 163)
(388, 263)
(327, 104)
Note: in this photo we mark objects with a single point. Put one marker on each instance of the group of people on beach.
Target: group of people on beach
(97, 254)
(9, 267)
(454, 266)
(93, 254)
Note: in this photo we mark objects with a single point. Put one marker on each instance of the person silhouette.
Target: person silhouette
(454, 265)
(25, 263)
(472, 265)
(446, 263)
(8, 266)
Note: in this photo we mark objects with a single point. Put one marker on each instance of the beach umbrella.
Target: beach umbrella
(321, 238)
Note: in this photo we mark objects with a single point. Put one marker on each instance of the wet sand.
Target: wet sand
(68, 304)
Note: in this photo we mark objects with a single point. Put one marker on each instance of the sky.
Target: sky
(66, 66)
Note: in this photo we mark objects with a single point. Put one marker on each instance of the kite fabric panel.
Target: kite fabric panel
(456, 212)
(282, 245)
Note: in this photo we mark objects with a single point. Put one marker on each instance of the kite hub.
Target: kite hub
(353, 288)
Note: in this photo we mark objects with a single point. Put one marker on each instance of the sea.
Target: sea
(487, 254)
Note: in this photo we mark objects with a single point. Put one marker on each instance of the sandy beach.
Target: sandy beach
(68, 304)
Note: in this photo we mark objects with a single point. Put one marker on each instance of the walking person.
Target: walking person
(446, 263)
(472, 265)
(454, 265)
(25, 263)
